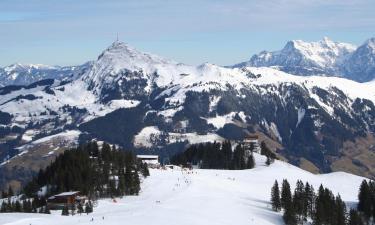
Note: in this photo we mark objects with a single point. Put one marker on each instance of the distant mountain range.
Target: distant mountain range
(147, 103)
(24, 74)
(323, 58)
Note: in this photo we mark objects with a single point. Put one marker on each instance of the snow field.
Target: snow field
(202, 197)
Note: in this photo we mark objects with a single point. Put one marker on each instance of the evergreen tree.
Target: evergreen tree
(238, 161)
(18, 207)
(320, 211)
(73, 209)
(354, 218)
(80, 209)
(10, 191)
(4, 207)
(92, 173)
(275, 197)
(33, 206)
(65, 211)
(250, 162)
(26, 206)
(364, 197)
(340, 211)
(289, 215)
(299, 200)
(88, 207)
(286, 195)
(227, 154)
(4, 194)
(309, 199)
(46, 210)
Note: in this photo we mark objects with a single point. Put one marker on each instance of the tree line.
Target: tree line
(215, 156)
(323, 207)
(93, 171)
(221, 156)
(25, 205)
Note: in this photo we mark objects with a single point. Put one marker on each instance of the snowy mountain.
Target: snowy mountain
(24, 74)
(145, 102)
(324, 58)
(361, 63)
(201, 197)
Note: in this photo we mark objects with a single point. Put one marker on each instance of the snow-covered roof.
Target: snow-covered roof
(147, 156)
(67, 193)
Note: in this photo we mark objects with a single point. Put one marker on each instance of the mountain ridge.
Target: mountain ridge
(325, 58)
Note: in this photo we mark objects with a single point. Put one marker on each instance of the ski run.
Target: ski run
(200, 197)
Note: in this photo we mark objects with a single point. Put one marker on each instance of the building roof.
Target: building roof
(69, 193)
(147, 156)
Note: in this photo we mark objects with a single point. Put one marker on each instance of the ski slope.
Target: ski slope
(171, 197)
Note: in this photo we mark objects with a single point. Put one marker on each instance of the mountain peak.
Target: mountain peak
(371, 42)
(304, 58)
(326, 40)
(120, 46)
(126, 55)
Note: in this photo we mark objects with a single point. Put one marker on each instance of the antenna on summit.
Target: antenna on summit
(117, 37)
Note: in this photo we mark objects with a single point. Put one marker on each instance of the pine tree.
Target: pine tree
(46, 210)
(289, 215)
(238, 161)
(88, 207)
(4, 194)
(73, 209)
(299, 199)
(286, 195)
(80, 209)
(371, 185)
(275, 197)
(144, 170)
(18, 207)
(364, 197)
(340, 211)
(4, 207)
(10, 191)
(309, 199)
(226, 149)
(354, 218)
(26, 206)
(250, 162)
(33, 205)
(65, 211)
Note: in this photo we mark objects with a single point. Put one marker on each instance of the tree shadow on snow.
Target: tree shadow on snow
(263, 209)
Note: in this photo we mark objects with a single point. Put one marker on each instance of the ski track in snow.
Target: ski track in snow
(202, 197)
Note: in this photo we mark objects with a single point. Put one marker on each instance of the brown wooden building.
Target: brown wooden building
(65, 198)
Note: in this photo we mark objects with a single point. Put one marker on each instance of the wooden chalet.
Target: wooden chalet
(65, 199)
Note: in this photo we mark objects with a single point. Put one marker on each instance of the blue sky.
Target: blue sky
(71, 32)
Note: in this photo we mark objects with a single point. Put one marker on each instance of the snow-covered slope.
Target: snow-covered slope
(201, 197)
(323, 58)
(361, 63)
(25, 74)
(122, 65)
(305, 58)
